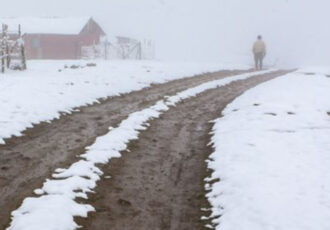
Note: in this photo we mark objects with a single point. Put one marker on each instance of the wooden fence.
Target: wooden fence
(12, 50)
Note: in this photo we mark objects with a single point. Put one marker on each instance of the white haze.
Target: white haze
(296, 31)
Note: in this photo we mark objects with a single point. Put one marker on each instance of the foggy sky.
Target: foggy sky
(296, 31)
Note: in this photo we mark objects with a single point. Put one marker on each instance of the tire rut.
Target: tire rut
(158, 184)
(25, 162)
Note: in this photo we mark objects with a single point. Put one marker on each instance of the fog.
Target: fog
(296, 31)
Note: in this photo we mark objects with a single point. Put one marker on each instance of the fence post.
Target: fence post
(22, 48)
(3, 49)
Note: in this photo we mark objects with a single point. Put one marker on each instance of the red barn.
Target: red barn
(56, 38)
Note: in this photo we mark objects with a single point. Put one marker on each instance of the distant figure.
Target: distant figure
(259, 51)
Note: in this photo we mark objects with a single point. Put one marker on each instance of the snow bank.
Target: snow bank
(45, 212)
(272, 157)
(320, 70)
(42, 92)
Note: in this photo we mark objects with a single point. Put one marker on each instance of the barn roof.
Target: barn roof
(46, 25)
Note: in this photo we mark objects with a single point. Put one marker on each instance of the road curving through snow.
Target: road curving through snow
(81, 177)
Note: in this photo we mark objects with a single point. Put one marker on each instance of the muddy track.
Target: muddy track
(158, 184)
(25, 162)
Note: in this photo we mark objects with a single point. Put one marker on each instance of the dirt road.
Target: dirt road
(158, 185)
(25, 162)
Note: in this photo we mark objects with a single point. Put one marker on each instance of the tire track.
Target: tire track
(158, 184)
(26, 161)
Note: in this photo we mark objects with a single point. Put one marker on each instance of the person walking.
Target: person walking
(259, 51)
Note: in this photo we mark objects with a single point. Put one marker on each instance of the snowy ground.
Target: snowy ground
(272, 156)
(56, 207)
(47, 88)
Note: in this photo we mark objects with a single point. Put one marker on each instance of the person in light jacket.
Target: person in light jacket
(259, 51)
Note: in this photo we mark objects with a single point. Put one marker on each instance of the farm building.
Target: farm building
(56, 38)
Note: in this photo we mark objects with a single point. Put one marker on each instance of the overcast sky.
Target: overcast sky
(296, 31)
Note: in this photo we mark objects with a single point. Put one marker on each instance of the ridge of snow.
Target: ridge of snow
(45, 212)
(272, 157)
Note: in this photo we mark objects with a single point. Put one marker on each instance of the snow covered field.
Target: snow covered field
(56, 207)
(272, 156)
(47, 88)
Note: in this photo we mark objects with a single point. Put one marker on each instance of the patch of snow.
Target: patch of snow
(42, 212)
(272, 156)
(315, 70)
(81, 177)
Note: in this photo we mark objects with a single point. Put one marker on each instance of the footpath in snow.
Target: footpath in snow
(47, 89)
(272, 156)
(55, 207)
